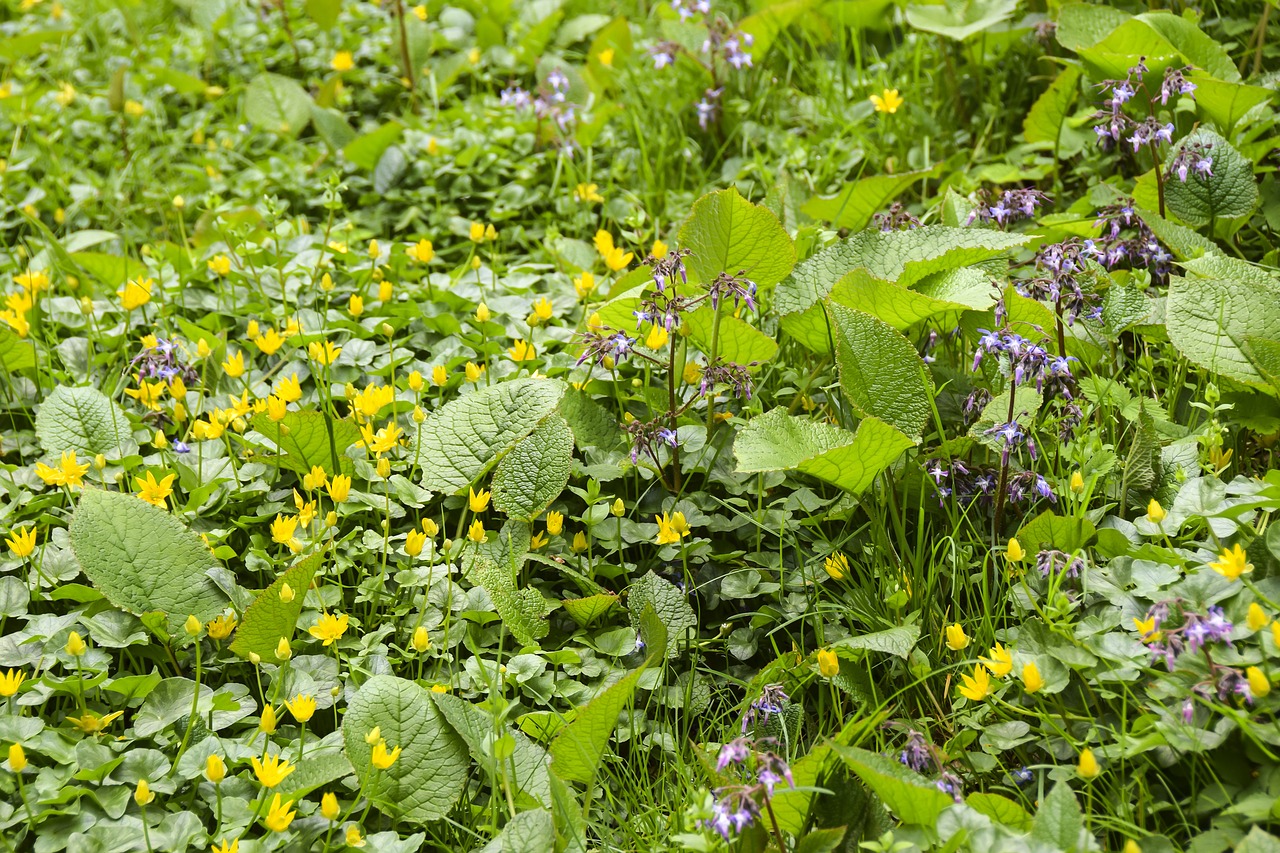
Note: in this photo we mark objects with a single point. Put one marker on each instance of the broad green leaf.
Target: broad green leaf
(390, 169)
(323, 12)
(465, 436)
(111, 270)
(957, 290)
(367, 149)
(305, 442)
(535, 471)
(727, 233)
(1225, 104)
(960, 19)
(1059, 822)
(913, 798)
(1199, 49)
(321, 767)
(777, 441)
(897, 641)
(671, 606)
(858, 201)
(431, 772)
(84, 420)
(142, 558)
(1000, 809)
(523, 611)
(1082, 25)
(586, 611)
(792, 807)
(1231, 192)
(1258, 841)
(16, 47)
(531, 831)
(269, 619)
(15, 353)
(592, 424)
(170, 701)
(810, 328)
(524, 769)
(737, 341)
(277, 103)
(1184, 242)
(1211, 320)
(821, 840)
(332, 127)
(1264, 354)
(1048, 530)
(1048, 115)
(579, 748)
(881, 373)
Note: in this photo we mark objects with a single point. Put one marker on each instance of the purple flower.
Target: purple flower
(733, 752)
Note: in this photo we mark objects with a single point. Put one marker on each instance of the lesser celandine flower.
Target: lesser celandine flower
(10, 681)
(1013, 552)
(421, 251)
(1077, 482)
(373, 735)
(999, 661)
(414, 542)
(1256, 617)
(671, 528)
(381, 758)
(476, 232)
(270, 770)
(478, 501)
(342, 61)
(329, 806)
(383, 467)
(219, 265)
(153, 492)
(302, 707)
(221, 627)
(476, 531)
(421, 639)
(355, 305)
(142, 794)
(1087, 766)
(579, 543)
(1155, 512)
(215, 769)
(1232, 563)
(474, 371)
(956, 637)
(1259, 683)
(483, 313)
(268, 722)
(828, 663)
(888, 101)
(232, 846)
(439, 375)
(278, 816)
(1032, 681)
(22, 542)
(975, 687)
(329, 627)
(90, 723)
(17, 758)
(555, 522)
(234, 365)
(415, 381)
(192, 626)
(339, 488)
(76, 645)
(353, 836)
(283, 652)
(588, 193)
(135, 293)
(837, 566)
(430, 527)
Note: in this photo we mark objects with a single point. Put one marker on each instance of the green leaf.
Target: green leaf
(535, 471)
(525, 768)
(304, 441)
(531, 831)
(727, 233)
(579, 748)
(1082, 25)
(1231, 192)
(777, 441)
(913, 798)
(960, 19)
(1224, 103)
(322, 766)
(323, 12)
(1002, 810)
(956, 290)
(1048, 115)
(431, 772)
(523, 611)
(1199, 50)
(586, 611)
(111, 270)
(1258, 841)
(277, 103)
(332, 127)
(899, 641)
(1211, 320)
(1184, 242)
(1048, 530)
(143, 559)
(738, 342)
(1264, 354)
(84, 420)
(858, 201)
(881, 373)
(465, 436)
(269, 618)
(390, 169)
(367, 149)
(671, 606)
(592, 424)
(1059, 822)
(15, 353)
(821, 840)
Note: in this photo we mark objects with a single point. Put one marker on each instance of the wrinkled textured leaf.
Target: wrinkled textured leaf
(858, 201)
(1211, 320)
(84, 420)
(586, 611)
(913, 798)
(430, 773)
(1229, 193)
(531, 831)
(1082, 25)
(269, 618)
(1226, 103)
(727, 233)
(525, 768)
(592, 423)
(535, 471)
(1047, 530)
(669, 603)
(956, 290)
(897, 641)
(523, 611)
(142, 558)
(465, 436)
(881, 373)
(1059, 822)
(304, 441)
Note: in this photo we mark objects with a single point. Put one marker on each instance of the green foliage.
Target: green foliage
(82, 420)
(534, 472)
(727, 233)
(308, 440)
(881, 373)
(270, 618)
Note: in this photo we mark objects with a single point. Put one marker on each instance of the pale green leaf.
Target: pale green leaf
(671, 606)
(727, 233)
(898, 641)
(858, 201)
(1048, 115)
(323, 12)
(1082, 25)
(592, 424)
(1224, 103)
(111, 270)
(84, 420)
(523, 611)
(1000, 809)
(1049, 530)
(957, 290)
(531, 831)
(881, 373)
(431, 772)
(586, 611)
(960, 19)
(1231, 192)
(15, 353)
(535, 471)
(367, 149)
(322, 766)
(1059, 821)
(277, 103)
(143, 559)
(269, 618)
(737, 341)
(1211, 320)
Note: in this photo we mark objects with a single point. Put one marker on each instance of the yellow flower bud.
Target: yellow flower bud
(192, 626)
(828, 663)
(421, 642)
(283, 652)
(215, 769)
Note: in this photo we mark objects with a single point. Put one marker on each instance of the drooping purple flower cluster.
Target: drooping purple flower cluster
(1142, 249)
(550, 103)
(738, 805)
(605, 347)
(1193, 158)
(163, 361)
(709, 107)
(648, 437)
(770, 703)
(896, 218)
(1066, 269)
(1114, 124)
(666, 268)
(739, 287)
(1054, 563)
(723, 372)
(918, 753)
(1196, 632)
(978, 483)
(1010, 207)
(1028, 361)
(663, 54)
(686, 9)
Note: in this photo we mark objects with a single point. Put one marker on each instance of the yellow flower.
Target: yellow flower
(1275, 633)
(283, 528)
(1232, 563)
(1155, 512)
(66, 94)
(154, 493)
(17, 758)
(579, 543)
(324, 352)
(289, 389)
(11, 681)
(671, 528)
(606, 57)
(421, 11)
(215, 769)
(342, 61)
(618, 508)
(1259, 683)
(999, 661)
(382, 759)
(1014, 553)
(142, 793)
(476, 232)
(385, 290)
(588, 193)
(543, 309)
(71, 471)
(148, 394)
(373, 735)
(439, 688)
(219, 265)
(353, 837)
(1032, 681)
(430, 527)
(478, 501)
(439, 375)
(267, 721)
(135, 293)
(555, 522)
(1257, 617)
(956, 638)
(1077, 482)
(537, 541)
(269, 342)
(476, 531)
(975, 687)
(314, 479)
(1147, 629)
(473, 56)
(17, 321)
(888, 101)
(474, 371)
(483, 313)
(659, 249)
(278, 816)
(329, 627)
(421, 639)
(522, 350)
(1131, 846)
(657, 337)
(221, 627)
(339, 488)
(837, 566)
(232, 846)
(283, 651)
(617, 260)
(22, 542)
(414, 542)
(490, 233)
(1088, 765)
(76, 645)
(32, 281)
(421, 251)
(302, 707)
(234, 365)
(585, 285)
(329, 806)
(271, 770)
(828, 663)
(355, 305)
(415, 381)
(192, 626)
(90, 723)
(372, 399)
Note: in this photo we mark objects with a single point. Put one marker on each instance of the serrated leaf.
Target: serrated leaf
(1002, 810)
(84, 420)
(142, 558)
(1211, 320)
(269, 618)
(535, 471)
(881, 373)
(277, 103)
(1231, 191)
(431, 772)
(592, 424)
(465, 436)
(1048, 115)
(1048, 530)
(960, 19)
(727, 233)
(1225, 103)
(586, 611)
(532, 831)
(737, 342)
(956, 290)
(899, 640)
(304, 441)
(1264, 354)
(669, 603)
(525, 769)
(523, 611)
(1184, 242)
(1059, 821)
(777, 441)
(858, 201)
(913, 798)
(579, 748)
(321, 767)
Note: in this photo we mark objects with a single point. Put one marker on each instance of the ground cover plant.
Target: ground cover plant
(808, 426)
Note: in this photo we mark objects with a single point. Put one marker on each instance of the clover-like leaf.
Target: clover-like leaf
(535, 471)
(84, 420)
(727, 233)
(270, 618)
